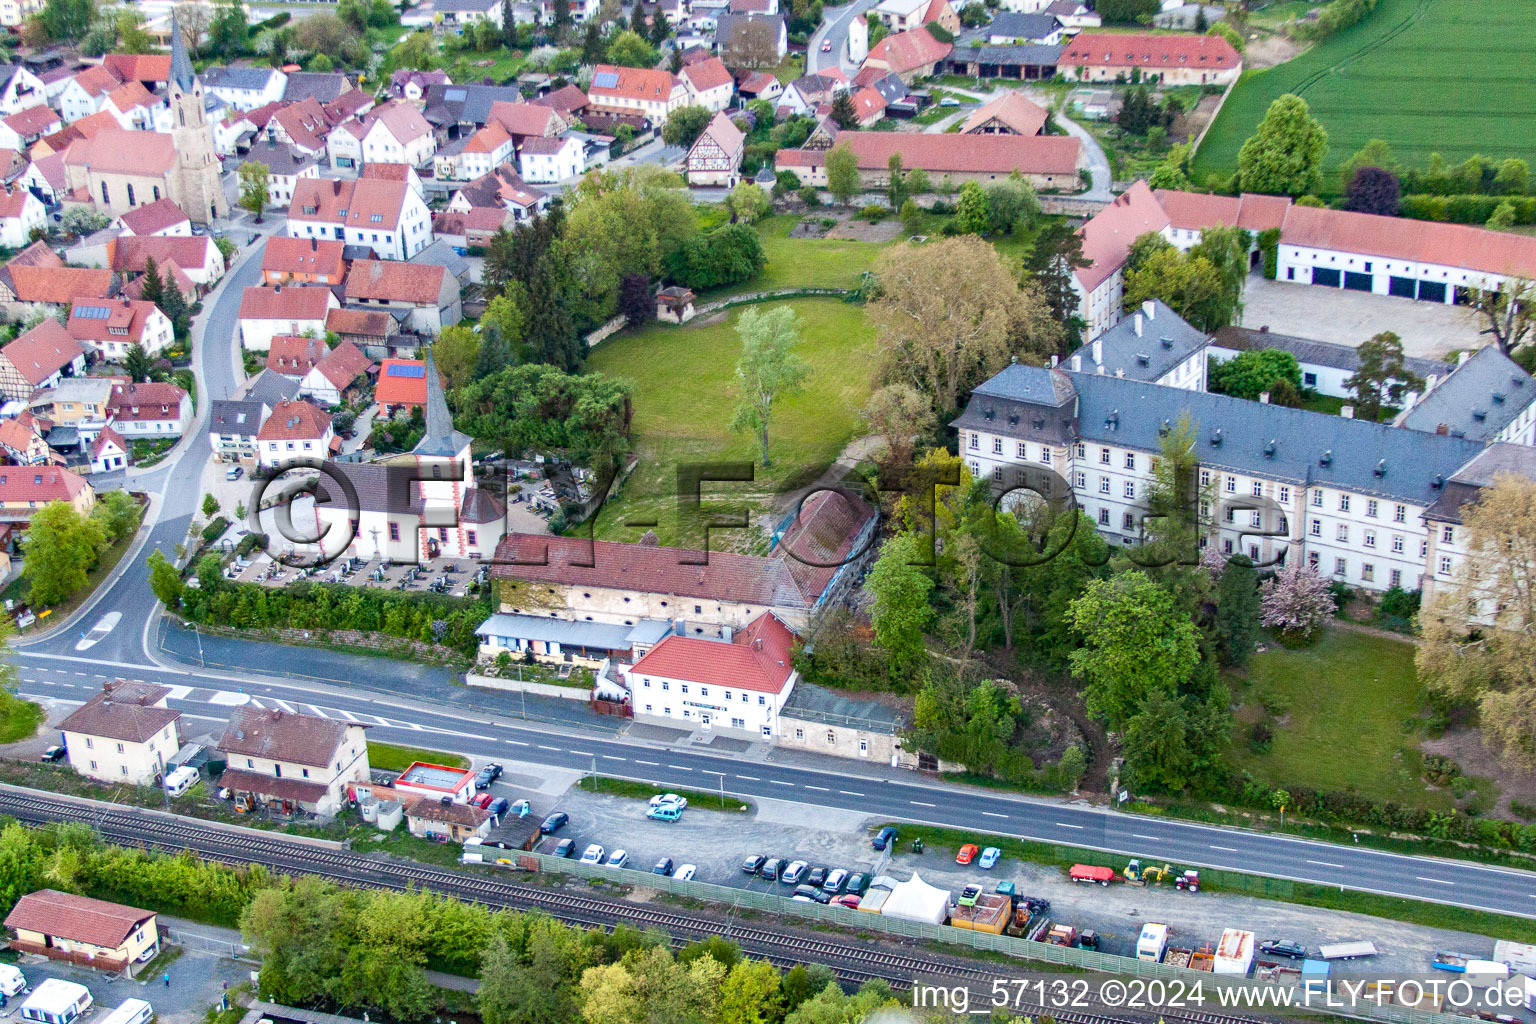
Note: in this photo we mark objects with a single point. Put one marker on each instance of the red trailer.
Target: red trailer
(1090, 874)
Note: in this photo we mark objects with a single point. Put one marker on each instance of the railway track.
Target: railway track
(849, 960)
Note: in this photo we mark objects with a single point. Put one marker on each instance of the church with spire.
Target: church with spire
(195, 179)
(416, 506)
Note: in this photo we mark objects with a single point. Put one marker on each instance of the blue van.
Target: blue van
(886, 836)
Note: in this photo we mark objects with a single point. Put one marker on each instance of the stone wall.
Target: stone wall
(580, 693)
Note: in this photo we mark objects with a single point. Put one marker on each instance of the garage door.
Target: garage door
(1357, 282)
(1403, 287)
(1323, 276)
(1432, 291)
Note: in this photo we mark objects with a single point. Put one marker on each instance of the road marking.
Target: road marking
(1437, 881)
(778, 782)
(583, 753)
(653, 764)
(99, 631)
(680, 767)
(1062, 824)
(1226, 849)
(750, 778)
(79, 673)
(610, 757)
(1324, 864)
(515, 743)
(318, 711)
(849, 792)
(286, 706)
(1138, 835)
(349, 715)
(994, 814)
(819, 789)
(711, 771)
(543, 747)
(919, 803)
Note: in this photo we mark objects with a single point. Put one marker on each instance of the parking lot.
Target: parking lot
(197, 981)
(717, 842)
(440, 575)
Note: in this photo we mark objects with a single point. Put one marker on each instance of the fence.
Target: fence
(1023, 949)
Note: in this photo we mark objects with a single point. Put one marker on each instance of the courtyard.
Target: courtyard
(1429, 330)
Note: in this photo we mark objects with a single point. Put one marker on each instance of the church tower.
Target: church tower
(195, 181)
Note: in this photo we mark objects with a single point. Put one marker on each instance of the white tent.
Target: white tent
(916, 900)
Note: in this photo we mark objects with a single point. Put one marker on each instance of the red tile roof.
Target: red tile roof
(361, 199)
(1447, 245)
(487, 140)
(908, 51)
(125, 97)
(293, 355)
(1115, 50)
(1196, 211)
(959, 154)
(757, 658)
(304, 122)
(18, 436)
(708, 74)
(290, 303)
(156, 216)
(283, 735)
(127, 712)
(756, 81)
(132, 253)
(868, 104)
(80, 918)
(396, 281)
(1014, 109)
(633, 83)
(42, 351)
(343, 364)
(34, 121)
(399, 385)
(402, 120)
(117, 151)
(525, 118)
(145, 403)
(566, 100)
(58, 285)
(13, 201)
(287, 255)
(292, 421)
(41, 484)
(386, 171)
(1107, 236)
(362, 322)
(106, 437)
(97, 80)
(139, 67)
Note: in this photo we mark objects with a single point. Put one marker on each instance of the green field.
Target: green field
(1345, 718)
(806, 262)
(1427, 76)
(684, 379)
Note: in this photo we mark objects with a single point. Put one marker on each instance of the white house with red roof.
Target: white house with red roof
(1107, 238)
(108, 452)
(912, 54)
(86, 92)
(336, 376)
(715, 157)
(161, 217)
(293, 430)
(268, 312)
(387, 216)
(649, 92)
(112, 327)
(710, 84)
(294, 355)
(150, 409)
(38, 359)
(546, 161)
(733, 685)
(20, 215)
(392, 133)
(1170, 59)
(22, 444)
(25, 489)
(21, 129)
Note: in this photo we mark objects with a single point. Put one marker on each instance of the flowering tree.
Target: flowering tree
(1296, 601)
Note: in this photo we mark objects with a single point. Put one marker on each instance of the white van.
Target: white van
(12, 980)
(180, 780)
(132, 1011)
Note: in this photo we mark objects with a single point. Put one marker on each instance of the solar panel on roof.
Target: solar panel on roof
(92, 312)
(454, 95)
(399, 370)
(606, 80)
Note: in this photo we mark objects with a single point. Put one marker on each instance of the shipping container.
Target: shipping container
(989, 914)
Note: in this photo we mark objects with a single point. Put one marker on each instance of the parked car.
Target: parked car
(663, 867)
(771, 868)
(498, 807)
(753, 864)
(481, 799)
(849, 900)
(593, 854)
(685, 873)
(834, 881)
(822, 896)
(522, 808)
(826, 46)
(857, 883)
(668, 798)
(665, 812)
(793, 873)
(618, 858)
(804, 894)
(885, 837)
(1276, 947)
(816, 876)
(969, 895)
(967, 853)
(554, 823)
(949, 101)
(487, 775)
(565, 848)
(55, 752)
(989, 858)
(234, 473)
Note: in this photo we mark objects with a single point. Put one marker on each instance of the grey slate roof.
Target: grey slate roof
(811, 703)
(464, 104)
(1030, 53)
(467, 6)
(1479, 398)
(324, 86)
(225, 417)
(1318, 353)
(279, 157)
(1467, 484)
(1028, 402)
(270, 388)
(441, 254)
(1309, 449)
(440, 439)
(236, 77)
(602, 635)
(1165, 341)
(1022, 26)
(181, 65)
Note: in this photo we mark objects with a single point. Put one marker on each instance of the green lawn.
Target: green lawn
(685, 391)
(806, 262)
(1425, 75)
(393, 758)
(1344, 718)
(644, 791)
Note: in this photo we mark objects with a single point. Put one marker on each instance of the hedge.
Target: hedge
(1466, 209)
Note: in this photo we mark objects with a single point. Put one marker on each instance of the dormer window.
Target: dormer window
(377, 218)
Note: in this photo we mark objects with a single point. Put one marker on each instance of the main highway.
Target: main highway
(121, 633)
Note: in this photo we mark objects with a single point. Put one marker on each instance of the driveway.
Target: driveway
(1429, 330)
(834, 27)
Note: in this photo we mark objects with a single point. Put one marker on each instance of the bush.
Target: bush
(1440, 770)
(1465, 209)
(1261, 739)
(1401, 604)
(810, 197)
(875, 213)
(215, 529)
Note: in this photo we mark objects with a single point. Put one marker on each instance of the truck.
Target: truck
(1234, 954)
(1153, 942)
(1088, 874)
(1352, 950)
(1061, 935)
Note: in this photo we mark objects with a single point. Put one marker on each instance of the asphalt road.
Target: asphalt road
(834, 27)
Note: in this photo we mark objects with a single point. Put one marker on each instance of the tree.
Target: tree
(628, 48)
(1380, 378)
(60, 547)
(503, 318)
(193, 20)
(1227, 249)
(767, 370)
(1373, 190)
(949, 316)
(1478, 630)
(1051, 265)
(136, 363)
(1227, 32)
(902, 415)
(1157, 755)
(1503, 217)
(118, 515)
(896, 187)
(1135, 643)
(843, 114)
(1011, 204)
(636, 304)
(82, 220)
(253, 188)
(1237, 612)
(725, 256)
(210, 506)
(455, 352)
(226, 35)
(1375, 153)
(1505, 314)
(660, 28)
(972, 215)
(843, 173)
(1249, 374)
(685, 125)
(1285, 155)
(750, 993)
(1190, 284)
(66, 19)
(748, 203)
(1296, 601)
(164, 581)
(593, 47)
(1512, 177)
(901, 609)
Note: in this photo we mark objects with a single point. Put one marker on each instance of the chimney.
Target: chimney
(1462, 357)
(1410, 400)
(1430, 382)
(1101, 369)
(1054, 360)
(1138, 325)
(1264, 329)
(1150, 308)
(1077, 363)
(1348, 412)
(1264, 397)
(1098, 351)
(1119, 371)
